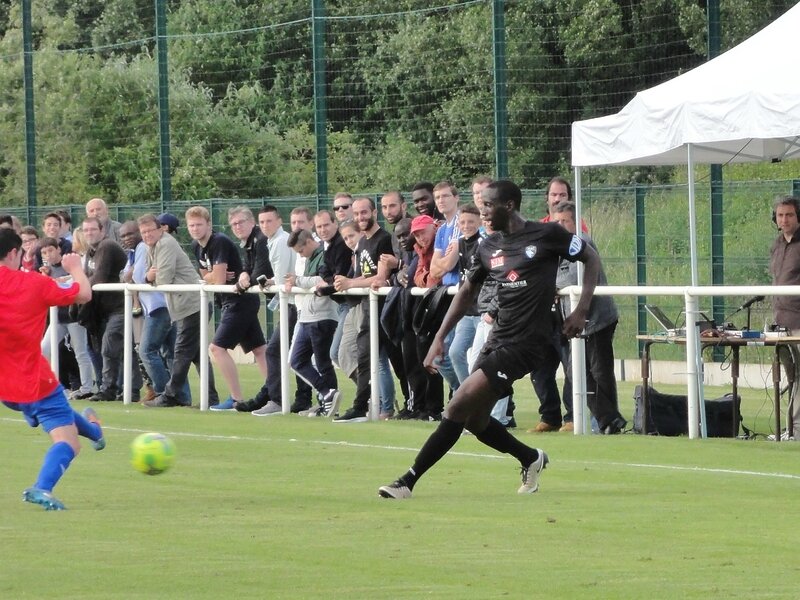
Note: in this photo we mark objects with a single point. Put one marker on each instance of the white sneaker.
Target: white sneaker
(269, 409)
(396, 490)
(530, 474)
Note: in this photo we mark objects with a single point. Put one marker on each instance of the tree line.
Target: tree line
(408, 89)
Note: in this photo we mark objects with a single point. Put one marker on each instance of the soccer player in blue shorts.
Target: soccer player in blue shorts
(33, 389)
(523, 258)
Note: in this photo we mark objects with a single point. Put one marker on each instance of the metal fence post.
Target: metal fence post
(204, 364)
(374, 408)
(283, 299)
(30, 122)
(163, 104)
(127, 354)
(500, 89)
(717, 220)
(320, 97)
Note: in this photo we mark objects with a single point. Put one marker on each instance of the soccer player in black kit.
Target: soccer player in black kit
(523, 257)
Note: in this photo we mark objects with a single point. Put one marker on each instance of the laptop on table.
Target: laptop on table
(666, 323)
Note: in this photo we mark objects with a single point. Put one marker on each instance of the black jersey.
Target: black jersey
(220, 249)
(369, 251)
(256, 256)
(524, 265)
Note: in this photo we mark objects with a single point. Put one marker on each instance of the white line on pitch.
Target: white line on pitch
(207, 436)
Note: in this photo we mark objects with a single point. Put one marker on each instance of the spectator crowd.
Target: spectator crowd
(427, 238)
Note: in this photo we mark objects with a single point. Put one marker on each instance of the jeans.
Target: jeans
(363, 370)
(342, 311)
(388, 394)
(157, 347)
(446, 369)
(272, 386)
(314, 340)
(78, 340)
(95, 342)
(348, 349)
(462, 342)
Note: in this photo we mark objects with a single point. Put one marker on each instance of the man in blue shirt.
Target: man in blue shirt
(157, 340)
(444, 265)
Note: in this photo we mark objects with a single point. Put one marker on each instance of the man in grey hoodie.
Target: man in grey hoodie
(316, 324)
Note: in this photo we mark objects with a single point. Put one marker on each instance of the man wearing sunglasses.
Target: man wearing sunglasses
(342, 207)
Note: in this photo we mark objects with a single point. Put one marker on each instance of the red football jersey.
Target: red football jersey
(25, 374)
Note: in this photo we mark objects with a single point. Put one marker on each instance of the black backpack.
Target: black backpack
(668, 414)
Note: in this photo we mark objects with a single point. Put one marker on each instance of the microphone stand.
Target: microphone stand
(747, 306)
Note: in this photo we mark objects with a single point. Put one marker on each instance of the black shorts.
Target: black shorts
(239, 324)
(503, 364)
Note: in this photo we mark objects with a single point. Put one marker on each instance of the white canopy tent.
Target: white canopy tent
(743, 106)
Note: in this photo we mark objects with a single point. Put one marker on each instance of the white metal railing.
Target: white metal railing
(205, 290)
(691, 296)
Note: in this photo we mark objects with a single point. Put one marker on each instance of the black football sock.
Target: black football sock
(438, 444)
(496, 436)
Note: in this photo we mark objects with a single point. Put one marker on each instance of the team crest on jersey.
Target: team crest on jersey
(530, 251)
(497, 261)
(575, 245)
(512, 276)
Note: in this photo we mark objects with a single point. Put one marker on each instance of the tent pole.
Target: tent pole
(578, 346)
(694, 359)
(692, 217)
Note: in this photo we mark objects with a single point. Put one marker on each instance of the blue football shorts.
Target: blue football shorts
(50, 412)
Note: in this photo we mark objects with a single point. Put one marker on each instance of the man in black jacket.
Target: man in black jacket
(337, 260)
(102, 264)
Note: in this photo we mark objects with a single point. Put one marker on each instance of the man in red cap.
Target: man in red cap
(423, 230)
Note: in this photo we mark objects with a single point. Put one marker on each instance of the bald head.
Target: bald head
(97, 207)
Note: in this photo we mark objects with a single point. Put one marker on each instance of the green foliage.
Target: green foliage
(262, 46)
(409, 90)
(402, 163)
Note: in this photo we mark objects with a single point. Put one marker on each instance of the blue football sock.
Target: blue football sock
(55, 465)
(86, 429)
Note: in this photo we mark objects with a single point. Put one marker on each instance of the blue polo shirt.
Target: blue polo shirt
(448, 232)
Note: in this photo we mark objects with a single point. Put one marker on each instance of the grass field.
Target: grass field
(286, 507)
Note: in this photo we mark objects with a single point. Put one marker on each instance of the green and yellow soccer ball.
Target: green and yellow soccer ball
(152, 453)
